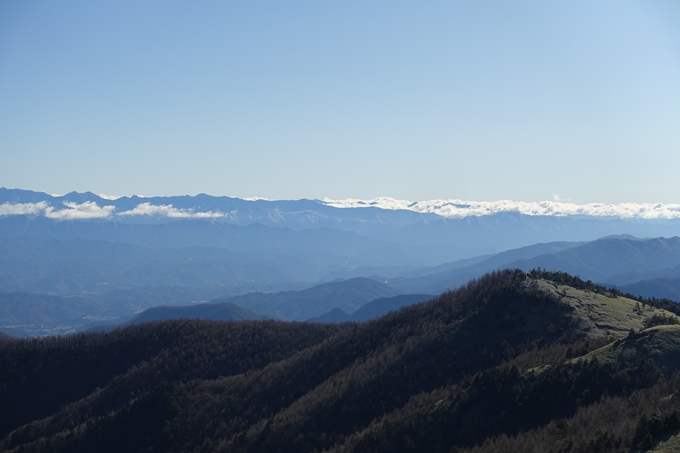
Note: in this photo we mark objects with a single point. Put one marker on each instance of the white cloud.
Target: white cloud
(444, 208)
(167, 210)
(109, 197)
(460, 208)
(87, 210)
(22, 208)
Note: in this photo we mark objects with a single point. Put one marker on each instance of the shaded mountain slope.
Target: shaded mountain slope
(663, 287)
(463, 368)
(581, 406)
(224, 311)
(39, 377)
(372, 309)
(610, 260)
(336, 315)
(347, 295)
(448, 276)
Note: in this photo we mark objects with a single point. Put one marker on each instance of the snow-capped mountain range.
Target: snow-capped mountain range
(88, 205)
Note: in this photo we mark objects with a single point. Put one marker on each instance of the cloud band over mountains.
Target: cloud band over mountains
(460, 208)
(91, 210)
(68, 210)
(167, 210)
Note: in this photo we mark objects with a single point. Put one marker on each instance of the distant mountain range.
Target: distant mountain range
(650, 268)
(81, 257)
(479, 231)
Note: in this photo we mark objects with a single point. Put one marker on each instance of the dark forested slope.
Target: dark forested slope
(107, 371)
(505, 357)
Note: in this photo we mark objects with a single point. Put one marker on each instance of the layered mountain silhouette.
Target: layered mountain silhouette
(347, 295)
(429, 233)
(372, 309)
(510, 362)
(122, 279)
(661, 286)
(122, 256)
(616, 261)
(224, 311)
(361, 295)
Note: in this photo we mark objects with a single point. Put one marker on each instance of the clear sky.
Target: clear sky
(476, 100)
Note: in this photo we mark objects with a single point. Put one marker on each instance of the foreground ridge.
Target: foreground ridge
(512, 361)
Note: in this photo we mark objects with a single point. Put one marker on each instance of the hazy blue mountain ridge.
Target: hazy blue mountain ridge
(509, 230)
(361, 296)
(295, 214)
(347, 295)
(372, 309)
(662, 288)
(224, 311)
(470, 236)
(437, 279)
(490, 261)
(612, 260)
(323, 248)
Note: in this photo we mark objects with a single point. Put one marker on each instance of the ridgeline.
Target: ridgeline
(512, 361)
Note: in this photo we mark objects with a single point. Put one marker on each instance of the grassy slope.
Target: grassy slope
(669, 445)
(660, 343)
(603, 315)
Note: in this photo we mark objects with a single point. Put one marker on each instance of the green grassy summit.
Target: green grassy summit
(603, 314)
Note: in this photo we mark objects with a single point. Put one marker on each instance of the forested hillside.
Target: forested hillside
(510, 362)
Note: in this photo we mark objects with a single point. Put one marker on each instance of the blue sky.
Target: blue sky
(522, 100)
